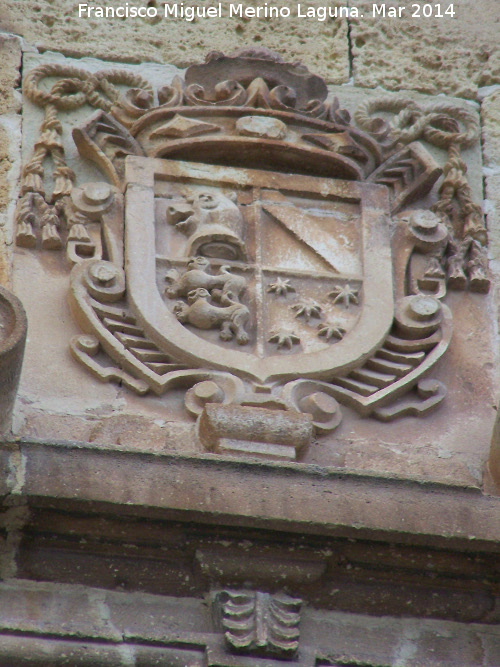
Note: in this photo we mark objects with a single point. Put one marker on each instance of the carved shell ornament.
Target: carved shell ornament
(277, 262)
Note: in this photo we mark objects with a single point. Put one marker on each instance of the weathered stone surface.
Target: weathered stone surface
(79, 613)
(433, 55)
(182, 636)
(10, 165)
(492, 210)
(143, 548)
(26, 651)
(10, 140)
(5, 166)
(165, 618)
(398, 642)
(13, 518)
(490, 113)
(494, 460)
(10, 76)
(6, 477)
(490, 116)
(325, 500)
(56, 26)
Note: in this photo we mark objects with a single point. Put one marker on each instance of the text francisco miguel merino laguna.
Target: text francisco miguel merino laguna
(266, 11)
(219, 10)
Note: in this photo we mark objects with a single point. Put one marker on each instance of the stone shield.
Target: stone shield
(293, 277)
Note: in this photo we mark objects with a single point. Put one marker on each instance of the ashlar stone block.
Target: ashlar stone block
(10, 76)
(10, 141)
(56, 25)
(453, 54)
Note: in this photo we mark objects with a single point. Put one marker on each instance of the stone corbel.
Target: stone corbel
(257, 624)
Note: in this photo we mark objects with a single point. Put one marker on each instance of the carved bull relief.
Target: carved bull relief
(257, 248)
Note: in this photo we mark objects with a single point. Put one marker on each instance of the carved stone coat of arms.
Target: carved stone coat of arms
(255, 247)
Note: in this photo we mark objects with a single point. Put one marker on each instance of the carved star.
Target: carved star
(283, 338)
(306, 308)
(329, 331)
(281, 287)
(345, 294)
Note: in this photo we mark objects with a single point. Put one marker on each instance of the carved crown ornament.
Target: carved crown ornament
(253, 245)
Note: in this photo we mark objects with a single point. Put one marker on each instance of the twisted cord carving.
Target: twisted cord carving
(74, 88)
(440, 124)
(412, 122)
(77, 87)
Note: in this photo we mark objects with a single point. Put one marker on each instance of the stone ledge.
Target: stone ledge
(152, 629)
(295, 497)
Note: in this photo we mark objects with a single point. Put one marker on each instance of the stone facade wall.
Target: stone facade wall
(121, 530)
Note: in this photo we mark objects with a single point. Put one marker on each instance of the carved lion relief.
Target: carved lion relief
(254, 245)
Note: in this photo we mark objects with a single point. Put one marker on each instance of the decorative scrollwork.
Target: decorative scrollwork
(105, 281)
(74, 88)
(217, 388)
(436, 123)
(260, 623)
(215, 240)
(314, 398)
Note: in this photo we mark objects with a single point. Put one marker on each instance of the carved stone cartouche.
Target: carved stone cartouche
(278, 259)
